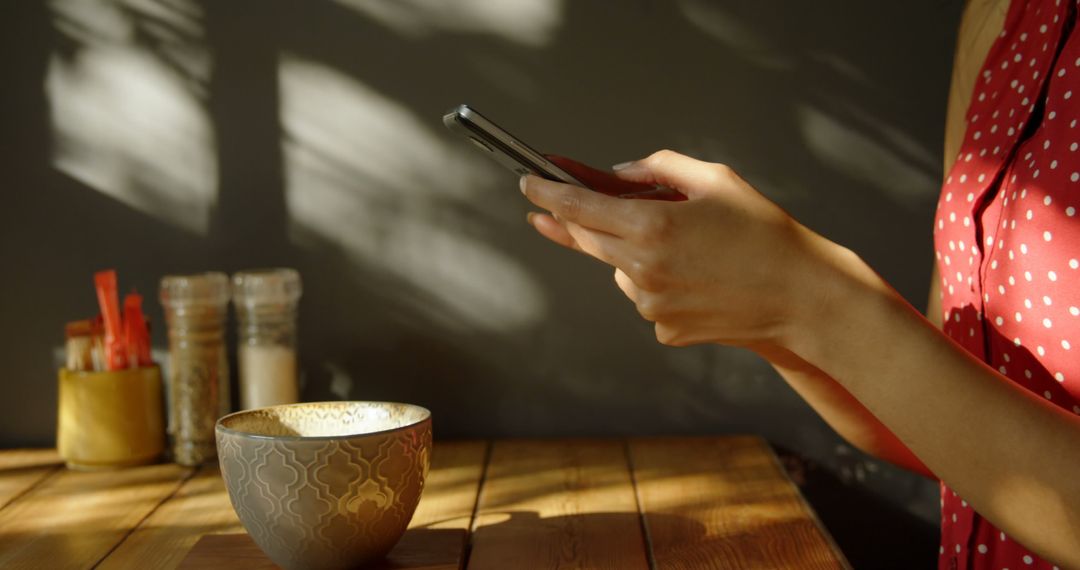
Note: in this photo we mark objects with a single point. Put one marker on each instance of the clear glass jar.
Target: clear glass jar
(198, 388)
(266, 303)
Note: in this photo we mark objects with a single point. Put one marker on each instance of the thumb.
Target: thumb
(668, 168)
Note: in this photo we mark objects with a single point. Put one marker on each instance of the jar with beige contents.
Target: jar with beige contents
(266, 305)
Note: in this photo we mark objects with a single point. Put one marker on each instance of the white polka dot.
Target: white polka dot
(1070, 211)
(1029, 214)
(1042, 29)
(1003, 372)
(982, 549)
(1053, 164)
(1027, 303)
(1027, 275)
(1074, 146)
(1047, 200)
(1047, 301)
(963, 178)
(1052, 276)
(1073, 264)
(1002, 535)
(1047, 323)
(1065, 344)
(1040, 350)
(1001, 289)
(1027, 374)
(1047, 236)
(1074, 311)
(1027, 558)
(941, 549)
(1059, 377)
(1068, 94)
(1016, 341)
(1023, 248)
(1048, 396)
(999, 321)
(1019, 317)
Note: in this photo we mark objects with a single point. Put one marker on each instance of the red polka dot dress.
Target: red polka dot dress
(1007, 239)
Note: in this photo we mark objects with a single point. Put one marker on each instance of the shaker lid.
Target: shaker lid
(256, 286)
(211, 288)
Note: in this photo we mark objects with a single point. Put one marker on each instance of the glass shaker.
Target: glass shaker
(198, 388)
(266, 304)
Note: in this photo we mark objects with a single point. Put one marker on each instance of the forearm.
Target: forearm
(846, 415)
(1008, 452)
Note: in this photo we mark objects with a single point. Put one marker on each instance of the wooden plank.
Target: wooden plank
(565, 504)
(21, 469)
(435, 540)
(73, 519)
(201, 506)
(725, 502)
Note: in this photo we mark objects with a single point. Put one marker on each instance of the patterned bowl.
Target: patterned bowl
(325, 484)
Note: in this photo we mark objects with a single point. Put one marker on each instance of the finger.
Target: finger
(668, 168)
(584, 207)
(603, 246)
(607, 183)
(626, 285)
(550, 228)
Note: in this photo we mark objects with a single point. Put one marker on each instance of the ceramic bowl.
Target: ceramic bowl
(325, 484)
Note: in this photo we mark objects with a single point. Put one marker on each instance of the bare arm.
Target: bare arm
(979, 26)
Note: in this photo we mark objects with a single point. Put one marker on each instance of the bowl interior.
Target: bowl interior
(324, 419)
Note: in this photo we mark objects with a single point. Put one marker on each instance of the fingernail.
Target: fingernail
(529, 217)
(622, 165)
(524, 180)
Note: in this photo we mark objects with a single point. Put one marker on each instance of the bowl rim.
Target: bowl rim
(219, 426)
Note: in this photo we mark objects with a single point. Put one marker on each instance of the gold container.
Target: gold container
(110, 419)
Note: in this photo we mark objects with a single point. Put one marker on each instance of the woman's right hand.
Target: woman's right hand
(726, 266)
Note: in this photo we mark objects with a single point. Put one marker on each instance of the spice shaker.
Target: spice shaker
(195, 309)
(266, 304)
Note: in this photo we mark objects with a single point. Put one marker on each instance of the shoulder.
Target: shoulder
(980, 24)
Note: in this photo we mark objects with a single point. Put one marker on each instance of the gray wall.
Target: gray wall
(163, 136)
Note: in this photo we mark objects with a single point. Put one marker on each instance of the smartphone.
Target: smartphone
(521, 159)
(507, 150)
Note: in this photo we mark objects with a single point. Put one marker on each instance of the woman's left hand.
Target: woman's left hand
(726, 266)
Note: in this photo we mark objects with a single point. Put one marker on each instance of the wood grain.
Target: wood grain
(199, 507)
(435, 540)
(725, 503)
(21, 469)
(564, 504)
(73, 519)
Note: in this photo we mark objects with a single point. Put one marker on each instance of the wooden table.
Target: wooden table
(710, 502)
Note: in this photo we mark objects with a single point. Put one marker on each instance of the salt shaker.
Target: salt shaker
(195, 309)
(266, 304)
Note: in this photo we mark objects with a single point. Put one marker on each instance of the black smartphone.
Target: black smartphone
(521, 159)
(507, 150)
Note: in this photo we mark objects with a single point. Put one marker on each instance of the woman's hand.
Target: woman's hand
(726, 266)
